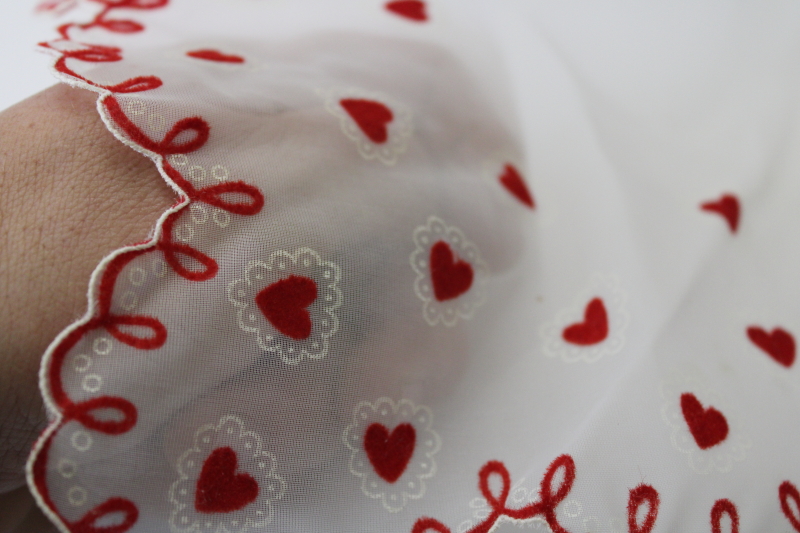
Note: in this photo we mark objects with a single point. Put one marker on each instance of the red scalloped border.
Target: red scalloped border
(99, 314)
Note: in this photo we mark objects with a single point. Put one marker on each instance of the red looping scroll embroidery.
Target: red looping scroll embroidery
(196, 124)
(103, 54)
(135, 4)
(721, 507)
(105, 289)
(120, 25)
(424, 525)
(82, 412)
(136, 85)
(117, 26)
(172, 250)
(95, 54)
(87, 524)
(213, 196)
(638, 496)
(156, 340)
(785, 491)
(119, 515)
(167, 146)
(546, 506)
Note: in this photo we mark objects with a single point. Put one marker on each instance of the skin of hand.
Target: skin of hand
(70, 193)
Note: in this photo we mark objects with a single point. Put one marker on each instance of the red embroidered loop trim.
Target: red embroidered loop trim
(110, 506)
(157, 340)
(424, 525)
(172, 250)
(545, 507)
(215, 55)
(185, 136)
(785, 491)
(120, 26)
(721, 507)
(103, 54)
(638, 496)
(166, 146)
(82, 413)
(136, 85)
(107, 281)
(96, 54)
(213, 196)
(135, 4)
(117, 26)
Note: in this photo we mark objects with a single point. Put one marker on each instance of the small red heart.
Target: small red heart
(593, 329)
(512, 181)
(779, 344)
(410, 9)
(708, 426)
(390, 453)
(728, 207)
(451, 277)
(219, 488)
(284, 304)
(215, 55)
(787, 491)
(372, 117)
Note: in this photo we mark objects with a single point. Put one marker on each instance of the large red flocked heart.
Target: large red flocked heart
(410, 9)
(728, 207)
(593, 329)
(284, 305)
(390, 453)
(215, 55)
(451, 277)
(372, 117)
(513, 182)
(708, 426)
(779, 344)
(219, 488)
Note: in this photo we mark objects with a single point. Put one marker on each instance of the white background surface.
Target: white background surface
(25, 70)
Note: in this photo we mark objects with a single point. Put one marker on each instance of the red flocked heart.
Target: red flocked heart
(513, 182)
(372, 117)
(219, 488)
(410, 9)
(728, 207)
(284, 305)
(593, 329)
(451, 277)
(779, 344)
(390, 453)
(787, 491)
(708, 426)
(215, 55)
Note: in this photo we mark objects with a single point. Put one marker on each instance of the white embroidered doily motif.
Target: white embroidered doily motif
(392, 418)
(378, 125)
(227, 436)
(460, 299)
(310, 270)
(613, 299)
(719, 457)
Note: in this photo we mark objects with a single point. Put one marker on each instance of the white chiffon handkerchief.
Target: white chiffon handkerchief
(437, 267)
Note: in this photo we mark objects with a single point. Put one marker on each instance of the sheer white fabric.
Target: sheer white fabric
(415, 238)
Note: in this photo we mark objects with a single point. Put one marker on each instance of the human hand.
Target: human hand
(69, 194)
